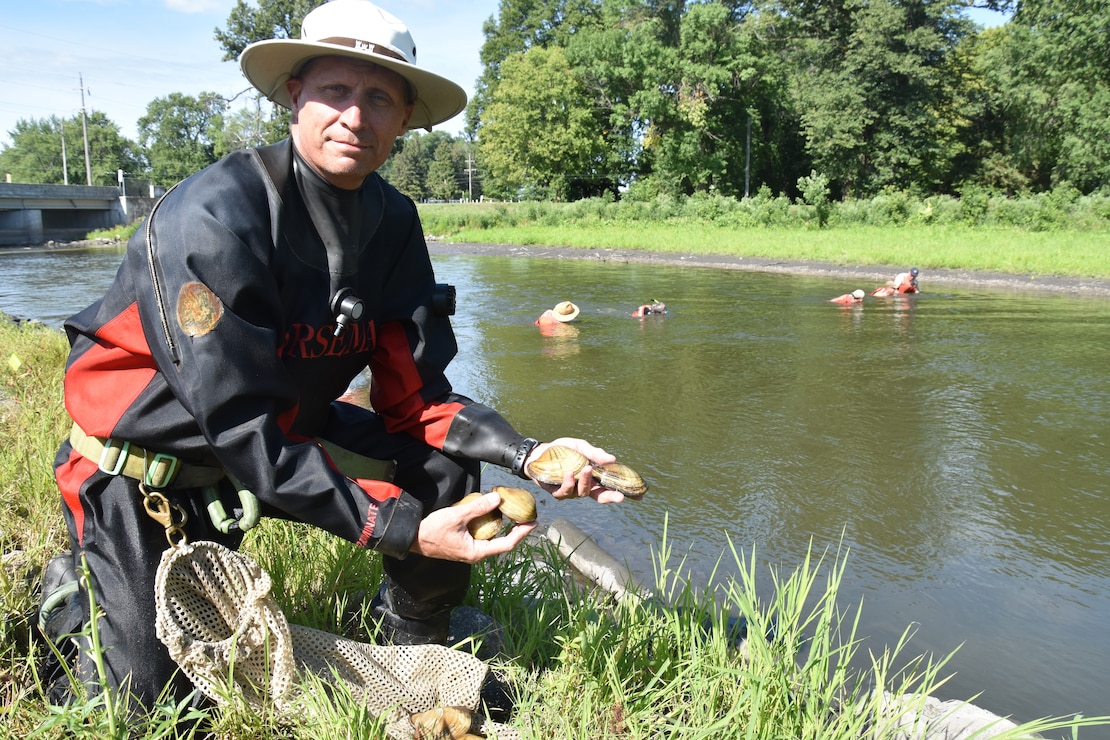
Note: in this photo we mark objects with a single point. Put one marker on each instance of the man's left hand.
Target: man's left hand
(583, 485)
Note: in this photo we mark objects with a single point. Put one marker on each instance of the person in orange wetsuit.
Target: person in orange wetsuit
(903, 282)
(856, 296)
(649, 309)
(563, 313)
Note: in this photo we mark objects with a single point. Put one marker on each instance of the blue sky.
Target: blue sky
(130, 52)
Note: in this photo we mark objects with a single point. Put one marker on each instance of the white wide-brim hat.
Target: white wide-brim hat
(356, 29)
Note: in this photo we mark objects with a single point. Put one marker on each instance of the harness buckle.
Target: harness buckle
(161, 470)
(114, 456)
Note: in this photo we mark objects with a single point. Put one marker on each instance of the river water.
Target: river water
(954, 443)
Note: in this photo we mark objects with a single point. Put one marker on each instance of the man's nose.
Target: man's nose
(353, 117)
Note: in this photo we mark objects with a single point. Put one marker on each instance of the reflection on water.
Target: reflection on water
(954, 442)
(560, 340)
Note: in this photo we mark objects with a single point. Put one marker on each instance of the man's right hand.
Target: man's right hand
(443, 534)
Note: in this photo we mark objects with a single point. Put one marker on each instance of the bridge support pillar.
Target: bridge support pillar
(32, 224)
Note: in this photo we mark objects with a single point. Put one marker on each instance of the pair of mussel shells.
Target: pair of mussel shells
(516, 504)
(556, 461)
(448, 723)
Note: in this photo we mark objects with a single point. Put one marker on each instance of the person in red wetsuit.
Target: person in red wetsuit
(856, 296)
(649, 309)
(255, 291)
(903, 282)
(906, 282)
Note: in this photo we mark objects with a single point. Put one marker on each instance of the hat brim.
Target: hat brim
(565, 318)
(268, 65)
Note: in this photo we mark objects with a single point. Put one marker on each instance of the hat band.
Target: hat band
(361, 45)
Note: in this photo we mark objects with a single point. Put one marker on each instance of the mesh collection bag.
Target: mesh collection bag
(216, 616)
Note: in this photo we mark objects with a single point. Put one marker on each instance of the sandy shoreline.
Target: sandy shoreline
(866, 275)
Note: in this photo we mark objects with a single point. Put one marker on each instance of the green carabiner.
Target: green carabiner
(219, 516)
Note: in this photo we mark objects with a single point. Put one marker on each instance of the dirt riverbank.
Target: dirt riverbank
(865, 275)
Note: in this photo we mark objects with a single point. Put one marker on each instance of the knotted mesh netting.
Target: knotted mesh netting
(221, 625)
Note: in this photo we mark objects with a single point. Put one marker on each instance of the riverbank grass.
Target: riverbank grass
(585, 664)
(1065, 252)
(1030, 237)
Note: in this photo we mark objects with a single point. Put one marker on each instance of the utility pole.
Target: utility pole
(85, 131)
(65, 165)
(748, 157)
(470, 175)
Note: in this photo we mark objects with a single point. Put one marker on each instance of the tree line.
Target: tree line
(641, 98)
(582, 97)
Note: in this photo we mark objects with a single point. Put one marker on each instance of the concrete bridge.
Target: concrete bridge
(35, 214)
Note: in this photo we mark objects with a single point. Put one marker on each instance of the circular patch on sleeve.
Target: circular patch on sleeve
(198, 309)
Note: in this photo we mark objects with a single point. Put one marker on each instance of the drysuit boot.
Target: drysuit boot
(497, 698)
(402, 621)
(60, 621)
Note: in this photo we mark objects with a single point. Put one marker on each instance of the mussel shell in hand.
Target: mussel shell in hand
(516, 504)
(556, 461)
(619, 477)
(485, 527)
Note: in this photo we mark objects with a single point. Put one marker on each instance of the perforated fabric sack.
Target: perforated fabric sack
(216, 616)
(214, 611)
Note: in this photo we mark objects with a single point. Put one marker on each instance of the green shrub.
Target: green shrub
(889, 208)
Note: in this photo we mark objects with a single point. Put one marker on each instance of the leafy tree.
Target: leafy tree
(616, 54)
(428, 165)
(270, 19)
(247, 23)
(872, 84)
(519, 26)
(253, 125)
(671, 89)
(976, 151)
(179, 134)
(407, 168)
(445, 170)
(538, 134)
(36, 155)
(722, 80)
(1049, 73)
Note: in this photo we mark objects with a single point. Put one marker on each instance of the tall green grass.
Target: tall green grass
(585, 664)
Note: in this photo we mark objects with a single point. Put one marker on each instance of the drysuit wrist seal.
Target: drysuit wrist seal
(522, 453)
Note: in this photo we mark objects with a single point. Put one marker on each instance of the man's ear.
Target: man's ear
(293, 86)
(405, 121)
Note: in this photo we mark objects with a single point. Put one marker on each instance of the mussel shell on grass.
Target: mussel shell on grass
(448, 723)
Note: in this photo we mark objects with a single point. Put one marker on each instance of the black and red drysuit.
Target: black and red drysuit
(217, 344)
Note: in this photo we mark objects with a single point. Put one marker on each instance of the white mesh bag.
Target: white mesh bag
(216, 616)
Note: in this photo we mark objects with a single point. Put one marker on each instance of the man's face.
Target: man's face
(346, 116)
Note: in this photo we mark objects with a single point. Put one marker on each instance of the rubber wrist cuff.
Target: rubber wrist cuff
(522, 453)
